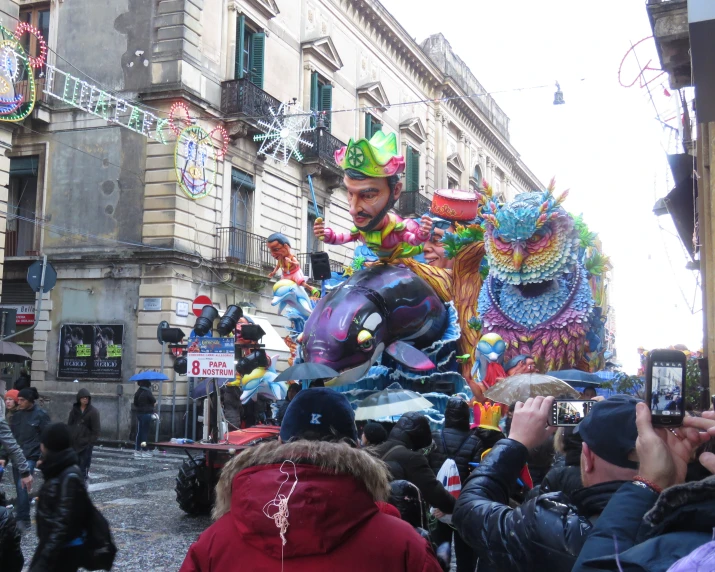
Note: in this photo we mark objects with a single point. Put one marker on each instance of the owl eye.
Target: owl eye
(534, 238)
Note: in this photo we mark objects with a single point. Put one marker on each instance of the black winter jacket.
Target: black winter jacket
(10, 550)
(27, 425)
(462, 446)
(544, 533)
(653, 532)
(62, 508)
(84, 426)
(412, 432)
(144, 401)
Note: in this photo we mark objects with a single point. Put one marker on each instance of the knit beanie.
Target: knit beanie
(56, 437)
(12, 394)
(28, 394)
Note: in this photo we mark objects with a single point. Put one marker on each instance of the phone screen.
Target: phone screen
(667, 381)
(569, 413)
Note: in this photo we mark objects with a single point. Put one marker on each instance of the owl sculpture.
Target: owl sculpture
(537, 296)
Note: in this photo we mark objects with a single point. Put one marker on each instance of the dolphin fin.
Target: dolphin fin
(409, 356)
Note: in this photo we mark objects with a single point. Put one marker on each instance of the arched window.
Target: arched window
(477, 174)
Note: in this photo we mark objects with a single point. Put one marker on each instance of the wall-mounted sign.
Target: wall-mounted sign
(25, 313)
(212, 358)
(90, 351)
(182, 309)
(152, 304)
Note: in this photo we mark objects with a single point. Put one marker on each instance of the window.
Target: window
(40, 19)
(21, 207)
(242, 187)
(412, 170)
(372, 126)
(452, 183)
(250, 53)
(321, 97)
(478, 174)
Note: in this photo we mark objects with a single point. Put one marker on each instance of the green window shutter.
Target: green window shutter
(412, 170)
(257, 58)
(240, 32)
(326, 102)
(368, 126)
(314, 89)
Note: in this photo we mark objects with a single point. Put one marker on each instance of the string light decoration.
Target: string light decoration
(179, 105)
(195, 162)
(34, 61)
(17, 80)
(283, 136)
(221, 153)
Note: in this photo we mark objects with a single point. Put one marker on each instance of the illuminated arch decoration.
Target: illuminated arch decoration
(195, 162)
(34, 61)
(17, 80)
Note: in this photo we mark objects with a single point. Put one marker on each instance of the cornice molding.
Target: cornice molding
(414, 128)
(455, 162)
(324, 50)
(267, 8)
(374, 95)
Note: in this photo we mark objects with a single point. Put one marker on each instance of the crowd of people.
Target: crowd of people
(66, 521)
(617, 494)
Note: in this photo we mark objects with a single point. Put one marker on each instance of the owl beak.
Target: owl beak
(519, 255)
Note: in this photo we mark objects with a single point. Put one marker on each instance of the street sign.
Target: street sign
(199, 303)
(182, 309)
(25, 313)
(162, 325)
(34, 276)
(212, 357)
(152, 304)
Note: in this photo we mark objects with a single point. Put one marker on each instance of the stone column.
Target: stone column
(489, 172)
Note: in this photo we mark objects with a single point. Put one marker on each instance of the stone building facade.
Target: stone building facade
(102, 201)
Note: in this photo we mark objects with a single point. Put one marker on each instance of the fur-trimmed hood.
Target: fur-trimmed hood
(331, 490)
(690, 505)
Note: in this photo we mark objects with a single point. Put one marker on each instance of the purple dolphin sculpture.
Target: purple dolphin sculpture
(382, 308)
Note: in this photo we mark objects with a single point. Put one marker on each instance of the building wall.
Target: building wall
(120, 230)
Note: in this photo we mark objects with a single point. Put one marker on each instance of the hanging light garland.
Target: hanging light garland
(34, 61)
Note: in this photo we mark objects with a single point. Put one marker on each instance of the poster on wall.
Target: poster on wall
(90, 351)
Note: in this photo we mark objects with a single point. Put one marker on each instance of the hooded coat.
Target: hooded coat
(333, 521)
(456, 441)
(84, 425)
(403, 454)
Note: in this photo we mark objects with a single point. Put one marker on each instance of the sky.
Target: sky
(605, 144)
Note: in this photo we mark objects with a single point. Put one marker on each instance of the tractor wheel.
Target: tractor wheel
(193, 491)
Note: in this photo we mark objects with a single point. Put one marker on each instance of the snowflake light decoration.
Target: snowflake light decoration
(284, 134)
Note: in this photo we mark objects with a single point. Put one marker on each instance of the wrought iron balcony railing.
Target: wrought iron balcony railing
(323, 150)
(412, 203)
(242, 99)
(238, 246)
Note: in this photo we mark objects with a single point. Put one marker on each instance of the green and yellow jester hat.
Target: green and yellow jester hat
(375, 158)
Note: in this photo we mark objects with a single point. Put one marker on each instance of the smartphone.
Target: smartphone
(569, 412)
(665, 387)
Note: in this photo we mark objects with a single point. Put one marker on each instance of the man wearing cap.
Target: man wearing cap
(27, 425)
(548, 531)
(372, 170)
(307, 502)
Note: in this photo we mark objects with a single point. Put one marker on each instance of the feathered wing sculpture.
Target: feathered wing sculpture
(537, 296)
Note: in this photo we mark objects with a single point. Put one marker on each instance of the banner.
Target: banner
(90, 351)
(212, 357)
(25, 313)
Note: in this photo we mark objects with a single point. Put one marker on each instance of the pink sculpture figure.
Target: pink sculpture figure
(280, 249)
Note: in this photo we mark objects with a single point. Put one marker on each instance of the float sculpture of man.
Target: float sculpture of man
(372, 170)
(286, 262)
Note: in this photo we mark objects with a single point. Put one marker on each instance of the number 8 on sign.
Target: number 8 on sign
(195, 367)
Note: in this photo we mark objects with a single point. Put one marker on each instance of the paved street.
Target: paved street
(137, 497)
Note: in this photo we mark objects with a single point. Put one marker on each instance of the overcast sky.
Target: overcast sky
(605, 144)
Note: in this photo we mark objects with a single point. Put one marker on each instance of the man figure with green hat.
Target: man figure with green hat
(372, 170)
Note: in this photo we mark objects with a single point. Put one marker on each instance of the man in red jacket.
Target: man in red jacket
(307, 503)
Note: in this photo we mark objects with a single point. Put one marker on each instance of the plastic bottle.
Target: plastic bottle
(181, 441)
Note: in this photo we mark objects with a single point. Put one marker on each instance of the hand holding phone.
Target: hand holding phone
(665, 387)
(569, 412)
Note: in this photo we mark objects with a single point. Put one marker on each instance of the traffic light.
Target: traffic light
(205, 322)
(181, 364)
(228, 322)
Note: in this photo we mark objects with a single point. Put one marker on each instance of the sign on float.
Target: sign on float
(212, 365)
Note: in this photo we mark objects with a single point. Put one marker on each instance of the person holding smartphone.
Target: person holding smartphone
(657, 519)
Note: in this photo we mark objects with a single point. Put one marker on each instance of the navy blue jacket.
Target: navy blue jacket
(27, 425)
(653, 532)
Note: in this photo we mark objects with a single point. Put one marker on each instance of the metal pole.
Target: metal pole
(193, 417)
(186, 414)
(173, 404)
(161, 390)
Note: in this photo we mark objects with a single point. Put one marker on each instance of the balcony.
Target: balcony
(242, 100)
(412, 204)
(240, 247)
(322, 153)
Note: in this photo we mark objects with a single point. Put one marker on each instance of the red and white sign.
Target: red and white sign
(212, 365)
(25, 313)
(199, 303)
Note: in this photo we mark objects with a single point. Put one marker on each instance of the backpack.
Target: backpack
(100, 548)
(448, 475)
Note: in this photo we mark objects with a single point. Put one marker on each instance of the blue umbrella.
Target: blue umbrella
(149, 376)
(577, 378)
